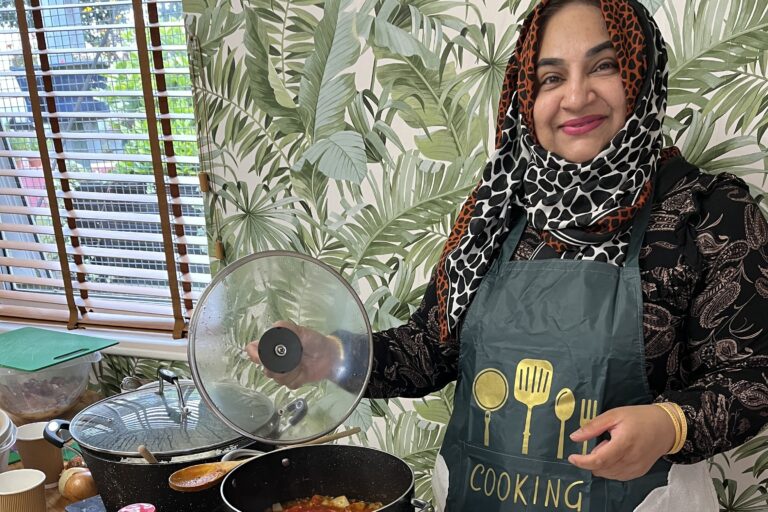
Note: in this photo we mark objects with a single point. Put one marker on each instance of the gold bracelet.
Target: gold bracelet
(675, 423)
(681, 424)
(678, 427)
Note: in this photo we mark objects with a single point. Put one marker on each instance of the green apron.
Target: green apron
(546, 346)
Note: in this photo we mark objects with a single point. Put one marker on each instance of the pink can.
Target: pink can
(138, 507)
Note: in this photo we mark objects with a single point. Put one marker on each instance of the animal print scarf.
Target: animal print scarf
(584, 210)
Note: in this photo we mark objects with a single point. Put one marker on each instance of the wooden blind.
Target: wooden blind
(101, 217)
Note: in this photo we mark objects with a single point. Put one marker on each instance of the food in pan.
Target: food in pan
(325, 504)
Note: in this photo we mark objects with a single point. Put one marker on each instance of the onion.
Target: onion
(77, 484)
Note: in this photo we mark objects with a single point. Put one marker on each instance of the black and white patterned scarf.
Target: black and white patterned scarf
(573, 205)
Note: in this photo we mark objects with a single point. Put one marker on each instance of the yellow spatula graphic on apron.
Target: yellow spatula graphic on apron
(491, 391)
(533, 381)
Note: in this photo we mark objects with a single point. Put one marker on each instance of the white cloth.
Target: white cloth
(690, 489)
(440, 483)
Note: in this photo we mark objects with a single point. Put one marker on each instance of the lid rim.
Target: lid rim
(160, 455)
(196, 314)
(73, 424)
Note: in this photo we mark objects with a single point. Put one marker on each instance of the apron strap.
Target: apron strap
(639, 224)
(664, 180)
(515, 234)
(670, 175)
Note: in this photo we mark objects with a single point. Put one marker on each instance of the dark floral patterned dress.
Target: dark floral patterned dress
(704, 268)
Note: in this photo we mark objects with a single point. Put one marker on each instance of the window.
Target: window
(101, 217)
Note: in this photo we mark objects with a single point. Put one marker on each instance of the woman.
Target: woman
(594, 284)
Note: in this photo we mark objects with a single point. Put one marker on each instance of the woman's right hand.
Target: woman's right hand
(320, 355)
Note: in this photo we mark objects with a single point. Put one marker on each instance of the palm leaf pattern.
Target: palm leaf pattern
(353, 132)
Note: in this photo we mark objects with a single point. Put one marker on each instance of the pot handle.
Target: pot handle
(51, 434)
(164, 374)
(294, 412)
(240, 453)
(422, 506)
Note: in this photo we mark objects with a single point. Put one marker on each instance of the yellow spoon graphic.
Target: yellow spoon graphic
(565, 404)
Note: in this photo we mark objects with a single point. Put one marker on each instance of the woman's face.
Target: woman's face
(580, 102)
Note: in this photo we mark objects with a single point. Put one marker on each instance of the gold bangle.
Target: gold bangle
(683, 424)
(675, 422)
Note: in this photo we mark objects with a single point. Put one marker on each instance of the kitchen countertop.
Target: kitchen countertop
(55, 501)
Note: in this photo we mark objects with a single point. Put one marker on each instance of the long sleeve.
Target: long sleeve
(409, 360)
(723, 336)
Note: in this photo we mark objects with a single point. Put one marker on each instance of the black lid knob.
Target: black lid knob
(280, 350)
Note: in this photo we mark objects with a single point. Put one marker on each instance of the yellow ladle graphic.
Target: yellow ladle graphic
(491, 391)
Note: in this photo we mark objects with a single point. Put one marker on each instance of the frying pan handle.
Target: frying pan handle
(422, 506)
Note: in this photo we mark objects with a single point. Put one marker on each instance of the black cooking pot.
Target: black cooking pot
(356, 472)
(177, 428)
(122, 483)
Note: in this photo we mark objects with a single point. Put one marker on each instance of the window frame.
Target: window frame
(75, 307)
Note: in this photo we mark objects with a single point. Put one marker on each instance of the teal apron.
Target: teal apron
(546, 346)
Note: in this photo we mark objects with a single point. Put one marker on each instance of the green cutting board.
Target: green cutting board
(31, 349)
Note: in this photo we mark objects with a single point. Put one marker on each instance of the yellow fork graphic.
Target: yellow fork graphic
(587, 414)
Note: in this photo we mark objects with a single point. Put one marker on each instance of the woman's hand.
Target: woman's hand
(640, 435)
(320, 356)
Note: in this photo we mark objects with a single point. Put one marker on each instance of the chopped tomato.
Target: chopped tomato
(327, 504)
(311, 508)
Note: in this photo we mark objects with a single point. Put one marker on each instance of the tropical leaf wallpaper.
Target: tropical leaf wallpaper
(352, 131)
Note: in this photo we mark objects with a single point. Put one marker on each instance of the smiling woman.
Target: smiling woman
(390, 72)
(578, 269)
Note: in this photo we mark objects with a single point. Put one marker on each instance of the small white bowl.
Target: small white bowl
(5, 426)
(5, 448)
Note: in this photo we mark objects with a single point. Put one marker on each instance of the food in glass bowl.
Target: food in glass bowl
(319, 503)
(46, 393)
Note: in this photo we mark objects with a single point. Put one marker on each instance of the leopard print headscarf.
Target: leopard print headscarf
(584, 210)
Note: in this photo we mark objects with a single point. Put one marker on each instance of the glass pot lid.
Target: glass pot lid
(169, 418)
(285, 329)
